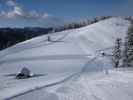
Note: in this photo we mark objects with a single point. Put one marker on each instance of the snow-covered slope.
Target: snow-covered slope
(58, 60)
(83, 41)
(116, 85)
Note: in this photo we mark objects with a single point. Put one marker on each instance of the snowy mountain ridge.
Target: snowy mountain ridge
(108, 29)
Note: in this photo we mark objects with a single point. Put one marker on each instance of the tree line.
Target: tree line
(123, 52)
(11, 36)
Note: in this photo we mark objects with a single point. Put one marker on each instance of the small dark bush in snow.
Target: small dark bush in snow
(24, 73)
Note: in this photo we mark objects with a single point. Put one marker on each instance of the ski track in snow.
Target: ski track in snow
(42, 87)
(50, 57)
(91, 87)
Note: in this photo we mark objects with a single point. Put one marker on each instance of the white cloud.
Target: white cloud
(45, 15)
(17, 12)
(11, 3)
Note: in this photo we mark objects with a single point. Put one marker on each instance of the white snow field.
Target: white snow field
(117, 85)
(68, 67)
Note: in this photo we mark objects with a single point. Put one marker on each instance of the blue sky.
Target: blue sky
(76, 8)
(21, 13)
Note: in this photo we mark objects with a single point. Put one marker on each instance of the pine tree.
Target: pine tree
(117, 53)
(128, 49)
(49, 38)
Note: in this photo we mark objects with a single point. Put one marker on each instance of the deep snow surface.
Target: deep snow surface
(116, 85)
(70, 52)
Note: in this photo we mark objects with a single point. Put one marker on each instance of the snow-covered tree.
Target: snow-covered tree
(128, 49)
(116, 58)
